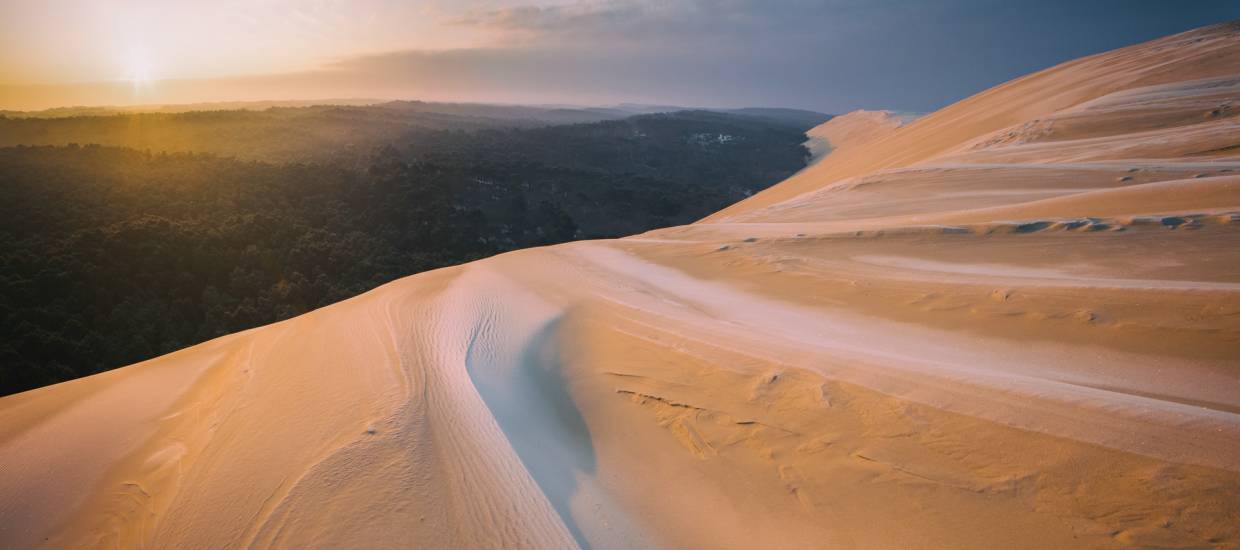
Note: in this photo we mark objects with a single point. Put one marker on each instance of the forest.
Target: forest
(113, 254)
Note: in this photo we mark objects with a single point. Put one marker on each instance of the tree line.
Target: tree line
(113, 255)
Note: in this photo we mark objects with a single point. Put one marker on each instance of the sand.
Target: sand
(853, 129)
(1013, 323)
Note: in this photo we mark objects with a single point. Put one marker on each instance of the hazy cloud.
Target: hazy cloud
(576, 18)
(832, 55)
(635, 21)
(829, 55)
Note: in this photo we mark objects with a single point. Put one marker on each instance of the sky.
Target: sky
(832, 56)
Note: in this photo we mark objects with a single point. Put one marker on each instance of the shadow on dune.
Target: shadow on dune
(533, 407)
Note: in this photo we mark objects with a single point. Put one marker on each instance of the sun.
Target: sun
(138, 70)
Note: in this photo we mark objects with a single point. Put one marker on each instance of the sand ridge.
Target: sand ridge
(853, 129)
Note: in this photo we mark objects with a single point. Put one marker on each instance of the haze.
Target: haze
(832, 56)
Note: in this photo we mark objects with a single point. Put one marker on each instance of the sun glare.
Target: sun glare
(138, 70)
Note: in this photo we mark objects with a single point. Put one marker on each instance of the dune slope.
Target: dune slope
(1013, 323)
(853, 129)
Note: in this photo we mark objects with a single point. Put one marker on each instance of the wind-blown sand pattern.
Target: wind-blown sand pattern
(1013, 323)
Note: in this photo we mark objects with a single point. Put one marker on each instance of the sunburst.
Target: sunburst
(138, 70)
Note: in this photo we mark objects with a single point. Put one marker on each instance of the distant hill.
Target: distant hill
(795, 117)
(337, 133)
(288, 132)
(62, 112)
(500, 111)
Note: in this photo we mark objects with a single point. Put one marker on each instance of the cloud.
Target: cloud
(652, 23)
(832, 55)
(561, 18)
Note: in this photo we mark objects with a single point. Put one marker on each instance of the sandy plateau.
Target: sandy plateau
(1011, 323)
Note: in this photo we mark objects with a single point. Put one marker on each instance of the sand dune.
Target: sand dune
(1013, 323)
(853, 129)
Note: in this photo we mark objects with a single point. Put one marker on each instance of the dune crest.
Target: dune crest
(853, 129)
(1012, 323)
